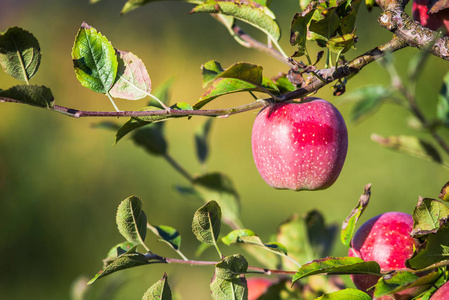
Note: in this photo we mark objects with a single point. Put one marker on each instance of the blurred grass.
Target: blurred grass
(61, 180)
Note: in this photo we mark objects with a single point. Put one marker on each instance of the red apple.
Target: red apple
(385, 239)
(300, 145)
(434, 21)
(442, 293)
(257, 286)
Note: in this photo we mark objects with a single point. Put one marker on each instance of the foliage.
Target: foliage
(302, 244)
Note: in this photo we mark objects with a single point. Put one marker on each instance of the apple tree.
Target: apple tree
(299, 142)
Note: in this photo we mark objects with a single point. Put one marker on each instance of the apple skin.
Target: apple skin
(385, 239)
(300, 145)
(431, 21)
(257, 286)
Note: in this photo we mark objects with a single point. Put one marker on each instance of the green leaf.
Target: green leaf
(298, 30)
(118, 250)
(250, 12)
(337, 265)
(341, 44)
(348, 17)
(443, 102)
(20, 53)
(30, 94)
(167, 234)
(436, 250)
(151, 138)
(293, 234)
(402, 280)
(444, 193)
(274, 247)
(131, 5)
(219, 187)
(345, 294)
(348, 227)
(428, 216)
(94, 60)
(211, 70)
(201, 140)
(234, 289)
(410, 145)
(235, 235)
(284, 85)
(133, 81)
(159, 291)
(324, 24)
(131, 220)
(125, 261)
(226, 86)
(231, 267)
(368, 100)
(207, 222)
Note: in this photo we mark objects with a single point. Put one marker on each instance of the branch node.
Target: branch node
(387, 20)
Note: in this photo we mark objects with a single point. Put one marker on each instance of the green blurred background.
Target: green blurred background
(61, 180)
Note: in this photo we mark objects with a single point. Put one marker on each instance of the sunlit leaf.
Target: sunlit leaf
(410, 145)
(159, 291)
(341, 44)
(345, 294)
(131, 220)
(428, 216)
(211, 70)
(250, 12)
(234, 236)
(133, 81)
(348, 227)
(131, 5)
(94, 60)
(20, 53)
(284, 85)
(337, 265)
(30, 94)
(207, 223)
(226, 86)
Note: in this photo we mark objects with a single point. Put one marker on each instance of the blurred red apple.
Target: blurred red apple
(385, 239)
(442, 293)
(300, 145)
(257, 286)
(440, 19)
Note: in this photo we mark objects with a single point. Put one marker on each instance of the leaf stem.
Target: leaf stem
(112, 101)
(178, 167)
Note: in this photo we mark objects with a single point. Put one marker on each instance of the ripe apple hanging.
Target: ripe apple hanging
(300, 145)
